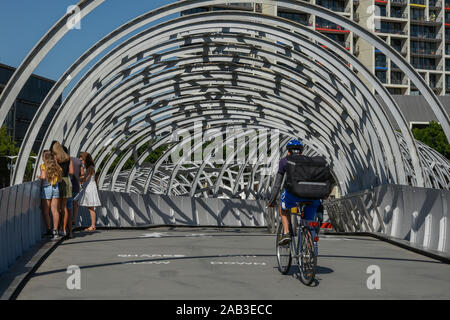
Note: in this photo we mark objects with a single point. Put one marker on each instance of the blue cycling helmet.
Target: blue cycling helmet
(294, 144)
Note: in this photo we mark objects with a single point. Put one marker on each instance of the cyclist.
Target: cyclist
(288, 200)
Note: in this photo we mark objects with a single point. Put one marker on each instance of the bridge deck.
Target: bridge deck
(165, 263)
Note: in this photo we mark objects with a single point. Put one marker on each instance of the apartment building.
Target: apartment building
(26, 106)
(418, 29)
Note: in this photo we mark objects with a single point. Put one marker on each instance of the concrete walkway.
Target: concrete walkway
(181, 263)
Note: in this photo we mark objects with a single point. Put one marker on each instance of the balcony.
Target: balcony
(399, 82)
(330, 27)
(399, 15)
(435, 4)
(419, 2)
(423, 21)
(391, 31)
(399, 3)
(424, 66)
(424, 52)
(427, 36)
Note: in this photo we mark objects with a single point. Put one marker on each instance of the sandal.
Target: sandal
(90, 229)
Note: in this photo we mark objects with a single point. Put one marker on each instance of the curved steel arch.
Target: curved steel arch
(143, 97)
(445, 124)
(138, 115)
(211, 104)
(389, 103)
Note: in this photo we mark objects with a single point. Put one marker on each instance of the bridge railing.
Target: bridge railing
(124, 210)
(21, 224)
(417, 216)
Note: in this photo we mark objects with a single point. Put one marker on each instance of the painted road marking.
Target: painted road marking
(153, 235)
(239, 263)
(147, 262)
(145, 255)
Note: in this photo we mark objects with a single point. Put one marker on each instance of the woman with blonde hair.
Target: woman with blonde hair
(88, 197)
(65, 187)
(51, 175)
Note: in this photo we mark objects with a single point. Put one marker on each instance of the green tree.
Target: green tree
(7, 148)
(434, 137)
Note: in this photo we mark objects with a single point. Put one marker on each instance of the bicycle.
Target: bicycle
(304, 250)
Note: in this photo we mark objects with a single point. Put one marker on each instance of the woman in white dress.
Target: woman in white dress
(89, 194)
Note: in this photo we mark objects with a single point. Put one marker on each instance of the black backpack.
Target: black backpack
(308, 177)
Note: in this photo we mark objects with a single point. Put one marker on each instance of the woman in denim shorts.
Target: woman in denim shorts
(65, 186)
(50, 176)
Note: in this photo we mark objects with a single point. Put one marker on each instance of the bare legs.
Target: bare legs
(93, 219)
(67, 220)
(45, 205)
(55, 213)
(75, 211)
(285, 214)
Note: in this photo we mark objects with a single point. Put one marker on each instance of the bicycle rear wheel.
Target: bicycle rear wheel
(284, 257)
(307, 260)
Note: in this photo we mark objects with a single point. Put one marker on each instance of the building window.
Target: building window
(397, 91)
(396, 78)
(382, 10)
(423, 63)
(417, 14)
(297, 17)
(381, 75)
(380, 60)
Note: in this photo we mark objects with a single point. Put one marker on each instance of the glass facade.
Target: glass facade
(26, 106)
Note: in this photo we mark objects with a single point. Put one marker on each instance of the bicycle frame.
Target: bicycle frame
(297, 243)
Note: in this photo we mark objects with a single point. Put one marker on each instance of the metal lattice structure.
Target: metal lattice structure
(227, 69)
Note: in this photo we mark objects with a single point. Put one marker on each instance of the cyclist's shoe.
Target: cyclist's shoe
(285, 239)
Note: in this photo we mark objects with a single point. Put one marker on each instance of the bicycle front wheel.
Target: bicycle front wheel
(284, 257)
(307, 260)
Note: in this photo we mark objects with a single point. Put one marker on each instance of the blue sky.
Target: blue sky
(24, 22)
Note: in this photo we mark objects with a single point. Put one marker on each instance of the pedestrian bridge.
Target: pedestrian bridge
(171, 247)
(186, 112)
(227, 263)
